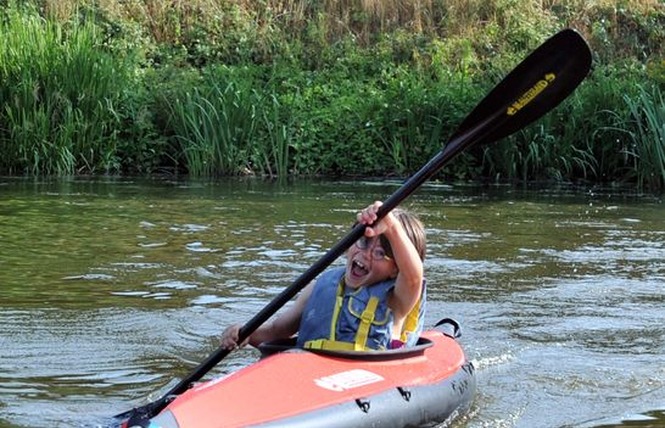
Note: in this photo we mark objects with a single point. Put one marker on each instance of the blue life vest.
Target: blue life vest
(340, 318)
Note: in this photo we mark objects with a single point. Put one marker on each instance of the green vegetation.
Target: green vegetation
(647, 111)
(292, 87)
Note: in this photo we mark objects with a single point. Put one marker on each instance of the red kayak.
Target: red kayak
(425, 385)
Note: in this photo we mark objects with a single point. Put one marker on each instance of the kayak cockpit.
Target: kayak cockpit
(448, 326)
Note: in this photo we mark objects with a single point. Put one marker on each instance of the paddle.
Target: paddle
(535, 86)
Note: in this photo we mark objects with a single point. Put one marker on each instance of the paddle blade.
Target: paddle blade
(534, 87)
(537, 85)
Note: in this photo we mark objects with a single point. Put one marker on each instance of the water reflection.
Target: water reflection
(113, 289)
(651, 419)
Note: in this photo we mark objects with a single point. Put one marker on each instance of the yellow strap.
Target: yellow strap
(360, 343)
(338, 305)
(411, 321)
(331, 345)
(366, 320)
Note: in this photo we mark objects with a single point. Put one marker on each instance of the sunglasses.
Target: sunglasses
(379, 252)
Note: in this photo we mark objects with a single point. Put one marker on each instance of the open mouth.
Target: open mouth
(359, 269)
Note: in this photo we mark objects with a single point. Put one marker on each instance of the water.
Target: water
(111, 290)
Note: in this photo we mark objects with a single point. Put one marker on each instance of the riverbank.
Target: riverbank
(287, 88)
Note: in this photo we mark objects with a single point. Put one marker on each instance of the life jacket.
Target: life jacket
(340, 318)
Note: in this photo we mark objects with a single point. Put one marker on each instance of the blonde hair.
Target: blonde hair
(414, 230)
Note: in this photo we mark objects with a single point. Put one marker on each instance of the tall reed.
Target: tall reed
(647, 112)
(215, 125)
(59, 92)
(276, 144)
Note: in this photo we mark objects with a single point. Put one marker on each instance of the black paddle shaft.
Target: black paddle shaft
(537, 85)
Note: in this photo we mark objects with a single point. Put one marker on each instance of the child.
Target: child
(376, 302)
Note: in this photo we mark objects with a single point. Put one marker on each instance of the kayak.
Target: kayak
(425, 385)
(428, 384)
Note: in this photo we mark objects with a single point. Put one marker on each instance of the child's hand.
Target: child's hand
(229, 338)
(368, 217)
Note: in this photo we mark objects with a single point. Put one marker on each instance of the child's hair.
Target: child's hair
(414, 229)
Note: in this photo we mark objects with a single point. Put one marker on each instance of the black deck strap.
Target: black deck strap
(449, 327)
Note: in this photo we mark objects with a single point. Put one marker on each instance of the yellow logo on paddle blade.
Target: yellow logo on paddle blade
(532, 93)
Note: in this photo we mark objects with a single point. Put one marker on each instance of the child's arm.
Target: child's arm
(408, 283)
(284, 325)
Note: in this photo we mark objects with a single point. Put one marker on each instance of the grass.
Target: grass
(647, 113)
(58, 95)
(215, 124)
(274, 152)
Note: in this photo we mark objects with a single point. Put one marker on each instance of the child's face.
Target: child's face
(367, 263)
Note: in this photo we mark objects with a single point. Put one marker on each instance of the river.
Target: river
(113, 289)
